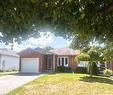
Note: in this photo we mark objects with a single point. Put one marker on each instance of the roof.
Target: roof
(4, 51)
(65, 51)
(60, 51)
(40, 50)
(31, 51)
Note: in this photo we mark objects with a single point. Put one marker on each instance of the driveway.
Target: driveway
(10, 82)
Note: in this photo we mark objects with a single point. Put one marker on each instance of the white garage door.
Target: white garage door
(30, 65)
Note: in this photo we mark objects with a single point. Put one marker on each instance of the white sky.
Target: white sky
(43, 41)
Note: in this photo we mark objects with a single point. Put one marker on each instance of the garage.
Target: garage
(32, 60)
(30, 65)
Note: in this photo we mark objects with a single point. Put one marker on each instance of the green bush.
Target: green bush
(1, 70)
(14, 69)
(81, 70)
(107, 72)
(63, 69)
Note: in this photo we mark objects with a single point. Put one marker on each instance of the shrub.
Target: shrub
(14, 69)
(107, 72)
(1, 70)
(81, 70)
(63, 69)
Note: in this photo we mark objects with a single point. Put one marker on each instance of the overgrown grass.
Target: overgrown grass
(67, 84)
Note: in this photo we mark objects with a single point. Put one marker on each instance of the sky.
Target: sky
(42, 41)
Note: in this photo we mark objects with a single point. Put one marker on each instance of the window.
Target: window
(59, 61)
(63, 61)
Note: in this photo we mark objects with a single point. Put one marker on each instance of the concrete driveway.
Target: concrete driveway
(10, 82)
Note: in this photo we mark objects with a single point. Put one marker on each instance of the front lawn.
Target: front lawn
(6, 73)
(67, 84)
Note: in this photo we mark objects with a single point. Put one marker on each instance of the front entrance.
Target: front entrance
(49, 62)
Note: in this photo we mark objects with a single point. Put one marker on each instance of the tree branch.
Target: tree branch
(106, 9)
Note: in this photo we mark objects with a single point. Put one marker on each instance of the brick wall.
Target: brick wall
(32, 54)
(72, 63)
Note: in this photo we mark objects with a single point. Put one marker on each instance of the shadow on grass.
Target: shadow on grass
(96, 79)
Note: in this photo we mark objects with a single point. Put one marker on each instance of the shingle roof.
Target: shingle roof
(4, 51)
(60, 51)
(65, 51)
(40, 50)
(31, 50)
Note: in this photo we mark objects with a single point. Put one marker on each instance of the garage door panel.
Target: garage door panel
(30, 65)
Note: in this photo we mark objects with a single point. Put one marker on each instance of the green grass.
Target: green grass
(6, 73)
(67, 84)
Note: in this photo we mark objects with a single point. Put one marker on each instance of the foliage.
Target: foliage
(46, 49)
(85, 50)
(107, 72)
(84, 18)
(107, 52)
(82, 57)
(94, 68)
(81, 70)
(94, 55)
(63, 69)
(79, 43)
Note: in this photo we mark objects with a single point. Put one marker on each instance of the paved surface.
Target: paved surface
(11, 82)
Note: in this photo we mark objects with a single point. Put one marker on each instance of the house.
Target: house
(36, 60)
(104, 65)
(9, 60)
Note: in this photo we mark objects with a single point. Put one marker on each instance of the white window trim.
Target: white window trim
(64, 61)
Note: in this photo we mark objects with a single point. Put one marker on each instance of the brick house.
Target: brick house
(36, 60)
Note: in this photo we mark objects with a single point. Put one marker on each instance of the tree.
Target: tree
(82, 57)
(46, 49)
(92, 56)
(87, 19)
(107, 52)
(78, 43)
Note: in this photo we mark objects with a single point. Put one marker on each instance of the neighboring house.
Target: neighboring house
(36, 60)
(9, 60)
(104, 65)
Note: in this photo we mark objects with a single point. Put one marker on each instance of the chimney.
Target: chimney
(11, 47)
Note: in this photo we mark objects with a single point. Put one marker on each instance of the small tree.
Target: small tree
(83, 57)
(92, 56)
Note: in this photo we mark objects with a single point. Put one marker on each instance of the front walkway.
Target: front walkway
(10, 82)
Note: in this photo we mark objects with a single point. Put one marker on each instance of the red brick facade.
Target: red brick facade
(72, 63)
(32, 54)
(29, 53)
